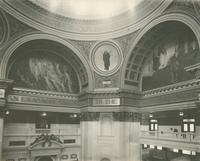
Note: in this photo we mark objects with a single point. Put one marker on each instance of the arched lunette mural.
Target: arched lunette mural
(43, 71)
(169, 58)
(127, 81)
(81, 66)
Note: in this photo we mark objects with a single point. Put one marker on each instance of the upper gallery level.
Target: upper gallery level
(152, 64)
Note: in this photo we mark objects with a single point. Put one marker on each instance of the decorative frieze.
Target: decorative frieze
(90, 116)
(106, 102)
(127, 116)
(117, 116)
(83, 46)
(41, 100)
(126, 41)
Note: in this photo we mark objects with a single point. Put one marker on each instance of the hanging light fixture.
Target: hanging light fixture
(44, 114)
(7, 112)
(181, 113)
(150, 115)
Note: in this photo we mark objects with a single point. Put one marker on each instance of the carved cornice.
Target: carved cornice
(181, 96)
(169, 106)
(191, 84)
(41, 93)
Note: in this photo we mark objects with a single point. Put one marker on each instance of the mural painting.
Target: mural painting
(44, 72)
(166, 64)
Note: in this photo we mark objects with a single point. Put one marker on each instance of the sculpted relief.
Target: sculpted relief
(44, 72)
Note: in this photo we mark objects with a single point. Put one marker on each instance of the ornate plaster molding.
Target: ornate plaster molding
(172, 106)
(191, 84)
(97, 56)
(123, 24)
(5, 28)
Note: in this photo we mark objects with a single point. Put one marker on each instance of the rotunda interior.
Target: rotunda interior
(92, 80)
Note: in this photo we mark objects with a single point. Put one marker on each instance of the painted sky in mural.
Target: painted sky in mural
(44, 72)
(166, 64)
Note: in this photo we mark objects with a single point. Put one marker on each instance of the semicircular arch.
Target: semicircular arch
(37, 36)
(186, 19)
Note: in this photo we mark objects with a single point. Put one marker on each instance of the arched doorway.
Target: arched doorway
(45, 158)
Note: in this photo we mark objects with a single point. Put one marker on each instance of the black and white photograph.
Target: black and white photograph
(99, 80)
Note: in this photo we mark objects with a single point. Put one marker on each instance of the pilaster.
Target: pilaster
(4, 89)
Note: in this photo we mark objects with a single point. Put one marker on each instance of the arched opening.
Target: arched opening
(45, 158)
(162, 55)
(46, 65)
(105, 159)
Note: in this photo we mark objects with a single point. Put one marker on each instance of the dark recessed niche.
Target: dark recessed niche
(69, 141)
(17, 143)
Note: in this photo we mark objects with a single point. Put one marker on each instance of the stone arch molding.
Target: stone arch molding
(9, 52)
(186, 19)
(4, 36)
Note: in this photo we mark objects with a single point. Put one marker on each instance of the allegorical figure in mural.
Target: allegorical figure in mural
(174, 67)
(106, 59)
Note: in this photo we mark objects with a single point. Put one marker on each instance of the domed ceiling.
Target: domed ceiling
(87, 9)
(86, 19)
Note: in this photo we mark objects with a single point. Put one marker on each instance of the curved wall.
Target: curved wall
(134, 55)
(75, 57)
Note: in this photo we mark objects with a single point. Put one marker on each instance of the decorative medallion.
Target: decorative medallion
(106, 57)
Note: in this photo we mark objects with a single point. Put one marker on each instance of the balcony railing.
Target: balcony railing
(30, 134)
(176, 136)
